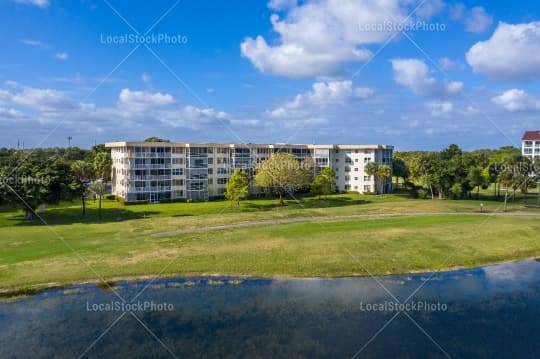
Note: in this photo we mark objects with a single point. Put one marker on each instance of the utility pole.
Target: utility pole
(69, 140)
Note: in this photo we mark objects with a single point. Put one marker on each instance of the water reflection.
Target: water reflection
(492, 312)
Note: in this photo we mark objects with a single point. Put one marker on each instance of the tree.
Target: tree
(81, 171)
(32, 178)
(371, 169)
(102, 167)
(384, 173)
(506, 178)
(283, 173)
(400, 169)
(155, 139)
(421, 170)
(237, 187)
(476, 179)
(324, 183)
(456, 190)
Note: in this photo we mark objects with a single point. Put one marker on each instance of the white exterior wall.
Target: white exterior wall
(348, 161)
(530, 149)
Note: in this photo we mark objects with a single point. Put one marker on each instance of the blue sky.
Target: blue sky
(416, 74)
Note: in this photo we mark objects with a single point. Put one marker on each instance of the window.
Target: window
(367, 178)
(222, 171)
(336, 169)
(367, 160)
(347, 169)
(222, 180)
(367, 188)
(337, 177)
(178, 182)
(210, 171)
(347, 187)
(347, 178)
(356, 160)
(210, 181)
(356, 169)
(177, 171)
(337, 159)
(210, 161)
(356, 178)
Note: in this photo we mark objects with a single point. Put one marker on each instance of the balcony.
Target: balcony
(149, 189)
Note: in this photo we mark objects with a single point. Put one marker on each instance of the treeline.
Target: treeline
(453, 173)
(29, 178)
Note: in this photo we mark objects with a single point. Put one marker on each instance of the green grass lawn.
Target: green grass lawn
(71, 248)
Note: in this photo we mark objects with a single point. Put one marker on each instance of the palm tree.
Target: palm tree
(384, 172)
(102, 166)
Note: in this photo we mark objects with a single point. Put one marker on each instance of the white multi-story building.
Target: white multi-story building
(156, 171)
(530, 144)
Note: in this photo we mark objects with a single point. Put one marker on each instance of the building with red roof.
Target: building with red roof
(530, 144)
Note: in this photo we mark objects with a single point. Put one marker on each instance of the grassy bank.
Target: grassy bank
(123, 246)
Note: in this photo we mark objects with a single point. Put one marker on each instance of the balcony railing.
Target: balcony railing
(149, 189)
(151, 166)
(150, 177)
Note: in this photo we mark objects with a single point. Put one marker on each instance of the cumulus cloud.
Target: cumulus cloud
(322, 94)
(476, 19)
(440, 108)
(134, 109)
(316, 37)
(415, 75)
(281, 4)
(447, 64)
(517, 100)
(512, 53)
(137, 100)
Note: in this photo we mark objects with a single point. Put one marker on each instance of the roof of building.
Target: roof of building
(232, 145)
(531, 136)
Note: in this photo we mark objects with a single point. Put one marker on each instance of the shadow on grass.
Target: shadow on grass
(72, 215)
(305, 203)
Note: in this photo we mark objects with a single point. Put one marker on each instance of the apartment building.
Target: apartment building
(530, 144)
(156, 171)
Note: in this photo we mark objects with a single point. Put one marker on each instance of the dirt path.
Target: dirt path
(333, 219)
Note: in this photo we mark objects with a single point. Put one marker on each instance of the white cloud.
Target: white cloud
(135, 110)
(415, 75)
(10, 114)
(38, 3)
(45, 100)
(322, 94)
(447, 64)
(476, 19)
(440, 108)
(512, 53)
(517, 100)
(139, 100)
(34, 43)
(281, 4)
(316, 37)
(62, 56)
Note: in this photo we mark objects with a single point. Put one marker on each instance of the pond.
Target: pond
(489, 312)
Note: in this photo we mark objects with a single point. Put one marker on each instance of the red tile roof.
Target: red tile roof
(531, 136)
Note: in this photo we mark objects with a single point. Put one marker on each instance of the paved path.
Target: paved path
(333, 219)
